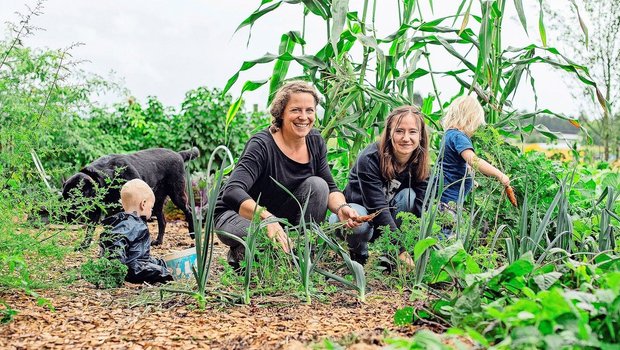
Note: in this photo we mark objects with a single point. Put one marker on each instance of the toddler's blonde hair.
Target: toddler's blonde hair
(135, 191)
(465, 113)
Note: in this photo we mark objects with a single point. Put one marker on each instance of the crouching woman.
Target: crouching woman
(389, 176)
(292, 153)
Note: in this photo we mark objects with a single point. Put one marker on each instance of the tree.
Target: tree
(598, 49)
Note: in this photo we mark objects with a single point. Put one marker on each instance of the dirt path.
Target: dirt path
(134, 317)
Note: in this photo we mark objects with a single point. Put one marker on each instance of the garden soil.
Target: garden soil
(136, 317)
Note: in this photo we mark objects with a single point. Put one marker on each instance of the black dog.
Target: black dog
(162, 169)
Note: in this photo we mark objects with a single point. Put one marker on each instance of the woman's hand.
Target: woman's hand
(276, 233)
(406, 259)
(347, 214)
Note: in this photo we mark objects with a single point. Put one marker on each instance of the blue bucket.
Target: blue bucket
(180, 263)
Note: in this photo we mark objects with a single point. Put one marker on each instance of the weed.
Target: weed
(104, 273)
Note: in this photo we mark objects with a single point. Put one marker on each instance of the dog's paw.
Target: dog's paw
(156, 242)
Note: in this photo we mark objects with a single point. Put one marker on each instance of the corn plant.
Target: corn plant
(358, 93)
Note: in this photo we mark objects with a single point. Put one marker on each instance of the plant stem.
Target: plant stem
(366, 50)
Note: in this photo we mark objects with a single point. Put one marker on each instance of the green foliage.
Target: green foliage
(390, 244)
(130, 127)
(423, 339)
(104, 273)
(6, 313)
(523, 305)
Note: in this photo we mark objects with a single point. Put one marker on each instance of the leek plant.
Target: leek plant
(302, 256)
(356, 269)
(532, 234)
(204, 228)
(606, 237)
(249, 244)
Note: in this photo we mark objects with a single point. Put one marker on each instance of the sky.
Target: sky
(165, 48)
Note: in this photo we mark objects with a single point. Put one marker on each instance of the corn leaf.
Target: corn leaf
(582, 24)
(541, 26)
(318, 7)
(521, 13)
(339, 18)
(465, 18)
(258, 14)
(280, 68)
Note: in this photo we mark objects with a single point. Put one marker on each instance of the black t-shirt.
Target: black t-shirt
(369, 188)
(262, 160)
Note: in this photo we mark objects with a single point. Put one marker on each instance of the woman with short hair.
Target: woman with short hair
(292, 153)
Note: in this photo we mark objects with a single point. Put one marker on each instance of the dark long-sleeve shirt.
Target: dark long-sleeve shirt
(369, 188)
(263, 160)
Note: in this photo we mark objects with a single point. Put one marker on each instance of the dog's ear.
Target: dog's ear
(79, 180)
(96, 175)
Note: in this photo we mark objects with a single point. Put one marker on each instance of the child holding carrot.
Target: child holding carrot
(461, 120)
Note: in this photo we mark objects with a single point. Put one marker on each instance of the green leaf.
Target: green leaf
(318, 7)
(234, 107)
(422, 246)
(456, 54)
(541, 26)
(427, 105)
(258, 14)
(403, 316)
(476, 336)
(458, 11)
(339, 18)
(371, 42)
(546, 280)
(280, 68)
(522, 18)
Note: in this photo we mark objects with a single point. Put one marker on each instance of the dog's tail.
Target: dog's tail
(190, 154)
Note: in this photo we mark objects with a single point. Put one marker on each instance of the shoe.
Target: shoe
(386, 265)
(361, 258)
(233, 259)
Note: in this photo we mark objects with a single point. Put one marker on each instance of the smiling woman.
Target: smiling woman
(290, 153)
(389, 174)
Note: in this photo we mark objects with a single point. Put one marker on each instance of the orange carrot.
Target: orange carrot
(511, 195)
(369, 217)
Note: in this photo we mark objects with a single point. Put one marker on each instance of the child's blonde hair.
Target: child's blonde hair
(135, 191)
(465, 113)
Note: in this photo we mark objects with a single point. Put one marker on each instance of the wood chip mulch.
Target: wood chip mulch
(134, 317)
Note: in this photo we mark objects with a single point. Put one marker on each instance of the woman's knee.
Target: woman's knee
(405, 200)
(317, 185)
(234, 224)
(318, 190)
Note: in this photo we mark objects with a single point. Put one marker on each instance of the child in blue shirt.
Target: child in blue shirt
(462, 119)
